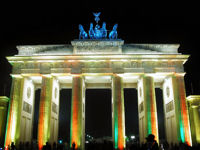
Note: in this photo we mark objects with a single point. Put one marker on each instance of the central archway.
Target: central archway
(98, 114)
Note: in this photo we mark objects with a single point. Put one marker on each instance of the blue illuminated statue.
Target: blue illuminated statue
(82, 33)
(97, 17)
(97, 32)
(113, 33)
(104, 31)
(91, 31)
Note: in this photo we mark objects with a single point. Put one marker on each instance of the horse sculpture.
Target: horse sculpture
(97, 32)
(104, 31)
(113, 33)
(82, 33)
(91, 32)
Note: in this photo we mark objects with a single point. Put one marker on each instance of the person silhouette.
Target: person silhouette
(13, 146)
(151, 143)
(73, 145)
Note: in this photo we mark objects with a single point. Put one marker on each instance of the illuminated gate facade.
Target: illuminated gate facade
(97, 64)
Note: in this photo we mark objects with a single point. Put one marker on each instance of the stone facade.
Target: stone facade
(101, 64)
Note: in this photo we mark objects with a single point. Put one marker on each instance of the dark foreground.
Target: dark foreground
(101, 146)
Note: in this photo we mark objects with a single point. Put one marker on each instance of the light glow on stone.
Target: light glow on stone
(151, 112)
(118, 109)
(45, 111)
(13, 111)
(76, 126)
(181, 109)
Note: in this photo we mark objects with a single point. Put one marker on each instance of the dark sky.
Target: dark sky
(138, 22)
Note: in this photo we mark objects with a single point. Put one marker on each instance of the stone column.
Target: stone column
(118, 118)
(14, 111)
(3, 113)
(176, 113)
(148, 123)
(77, 132)
(48, 111)
(55, 110)
(194, 113)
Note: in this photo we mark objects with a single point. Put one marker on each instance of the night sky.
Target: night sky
(138, 22)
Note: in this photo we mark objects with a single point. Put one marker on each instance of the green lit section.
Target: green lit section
(182, 118)
(115, 128)
(151, 122)
(179, 119)
(148, 103)
(6, 140)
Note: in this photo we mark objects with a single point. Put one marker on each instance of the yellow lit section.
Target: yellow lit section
(3, 116)
(14, 111)
(194, 107)
(77, 124)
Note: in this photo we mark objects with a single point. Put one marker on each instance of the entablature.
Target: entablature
(98, 64)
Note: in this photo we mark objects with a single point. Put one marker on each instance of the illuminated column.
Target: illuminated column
(176, 114)
(55, 110)
(3, 113)
(14, 111)
(118, 118)
(148, 123)
(77, 132)
(194, 113)
(48, 111)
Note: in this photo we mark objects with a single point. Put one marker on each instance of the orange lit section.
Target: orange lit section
(8, 131)
(45, 112)
(76, 129)
(154, 120)
(151, 111)
(184, 112)
(41, 126)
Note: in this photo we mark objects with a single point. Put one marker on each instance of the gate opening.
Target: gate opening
(160, 114)
(98, 115)
(64, 115)
(36, 114)
(131, 115)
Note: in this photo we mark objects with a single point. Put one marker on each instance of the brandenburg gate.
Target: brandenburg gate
(92, 64)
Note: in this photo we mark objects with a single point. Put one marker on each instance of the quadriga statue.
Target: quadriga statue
(82, 33)
(113, 33)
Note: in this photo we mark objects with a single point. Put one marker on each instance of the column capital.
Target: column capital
(47, 75)
(175, 74)
(4, 99)
(116, 75)
(16, 75)
(194, 100)
(145, 75)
